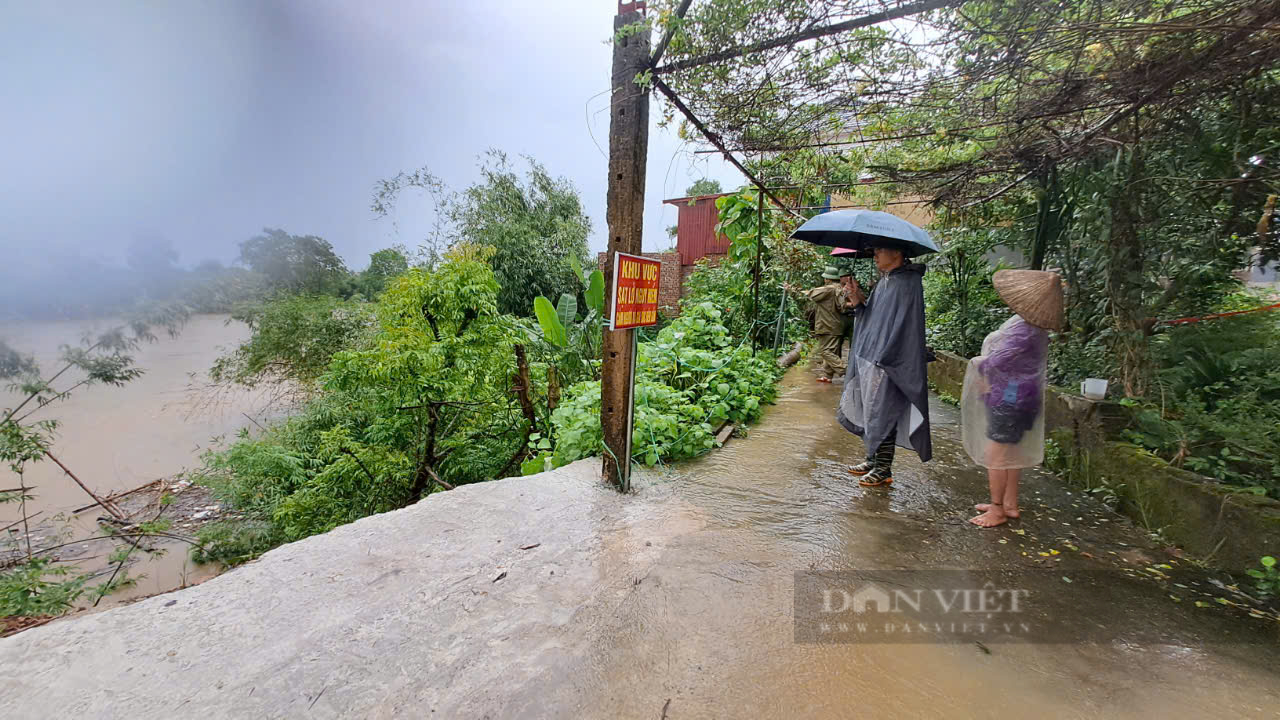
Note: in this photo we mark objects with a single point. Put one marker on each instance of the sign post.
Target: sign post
(633, 304)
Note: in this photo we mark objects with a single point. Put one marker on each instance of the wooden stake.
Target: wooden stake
(628, 153)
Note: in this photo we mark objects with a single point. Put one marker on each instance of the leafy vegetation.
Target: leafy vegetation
(294, 263)
(772, 320)
(39, 587)
(432, 385)
(691, 379)
(384, 265)
(961, 305)
(569, 346)
(1267, 579)
(535, 225)
(423, 404)
(1212, 375)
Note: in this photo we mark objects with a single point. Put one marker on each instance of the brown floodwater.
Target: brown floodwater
(118, 438)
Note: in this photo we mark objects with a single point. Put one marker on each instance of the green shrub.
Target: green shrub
(1219, 405)
(232, 542)
(689, 380)
(961, 327)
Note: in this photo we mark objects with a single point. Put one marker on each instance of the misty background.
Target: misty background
(133, 126)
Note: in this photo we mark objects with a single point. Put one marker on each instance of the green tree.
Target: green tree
(294, 338)
(705, 186)
(294, 263)
(535, 224)
(384, 265)
(422, 404)
(1084, 125)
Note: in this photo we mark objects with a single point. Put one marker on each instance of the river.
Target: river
(119, 438)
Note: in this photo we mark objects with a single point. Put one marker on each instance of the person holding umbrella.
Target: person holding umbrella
(1002, 403)
(886, 397)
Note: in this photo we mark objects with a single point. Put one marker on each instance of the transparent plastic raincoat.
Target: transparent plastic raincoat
(1002, 405)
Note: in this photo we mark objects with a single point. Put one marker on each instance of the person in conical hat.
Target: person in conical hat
(1002, 404)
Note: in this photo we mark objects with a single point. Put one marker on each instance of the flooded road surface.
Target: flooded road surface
(553, 596)
(118, 438)
(710, 624)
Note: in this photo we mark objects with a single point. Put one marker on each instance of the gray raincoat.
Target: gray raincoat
(886, 384)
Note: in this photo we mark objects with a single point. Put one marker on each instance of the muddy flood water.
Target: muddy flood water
(116, 439)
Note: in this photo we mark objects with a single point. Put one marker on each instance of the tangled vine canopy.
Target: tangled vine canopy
(962, 100)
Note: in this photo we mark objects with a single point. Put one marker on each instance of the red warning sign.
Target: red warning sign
(635, 292)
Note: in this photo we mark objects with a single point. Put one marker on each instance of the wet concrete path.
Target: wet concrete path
(550, 596)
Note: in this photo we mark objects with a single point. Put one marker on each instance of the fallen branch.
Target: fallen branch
(792, 357)
(106, 504)
(19, 521)
(117, 496)
(117, 536)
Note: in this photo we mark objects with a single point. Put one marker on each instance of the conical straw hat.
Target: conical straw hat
(1036, 295)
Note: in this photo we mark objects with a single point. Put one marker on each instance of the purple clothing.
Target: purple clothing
(1013, 365)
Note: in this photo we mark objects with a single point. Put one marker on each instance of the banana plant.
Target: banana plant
(594, 281)
(554, 320)
(577, 342)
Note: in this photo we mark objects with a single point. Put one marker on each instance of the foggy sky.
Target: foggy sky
(205, 121)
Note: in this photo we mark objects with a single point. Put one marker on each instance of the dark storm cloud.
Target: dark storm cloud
(203, 122)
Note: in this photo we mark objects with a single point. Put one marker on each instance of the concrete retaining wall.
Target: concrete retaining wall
(1212, 521)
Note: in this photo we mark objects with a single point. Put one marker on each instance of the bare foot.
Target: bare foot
(824, 379)
(990, 518)
(1011, 513)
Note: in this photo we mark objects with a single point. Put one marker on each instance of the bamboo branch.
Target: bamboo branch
(372, 479)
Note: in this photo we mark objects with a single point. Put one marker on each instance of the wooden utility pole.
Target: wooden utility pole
(628, 152)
